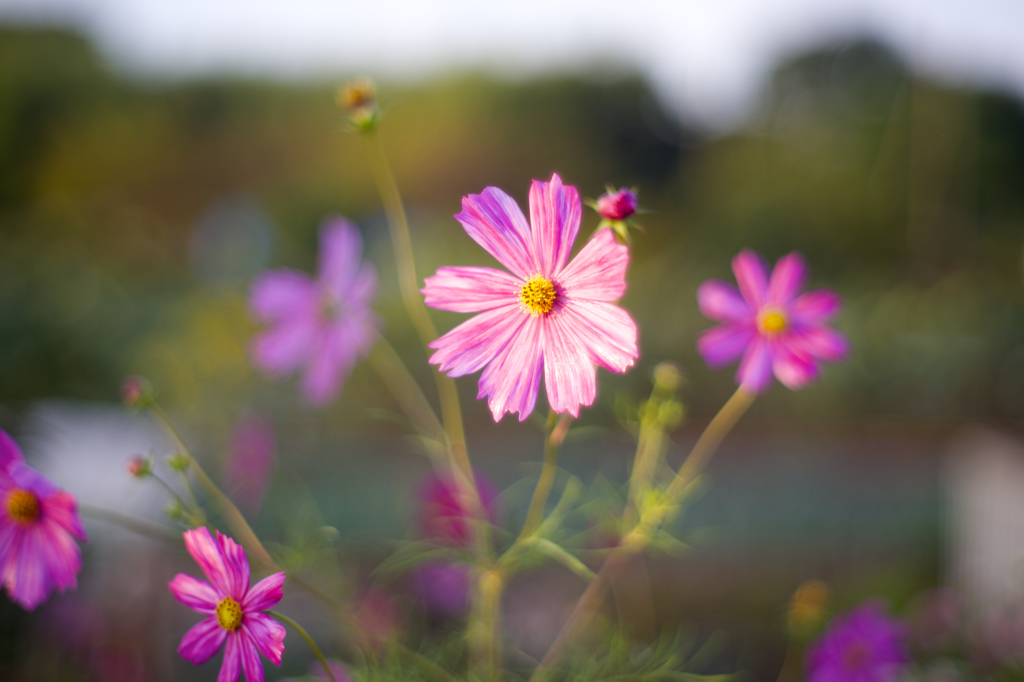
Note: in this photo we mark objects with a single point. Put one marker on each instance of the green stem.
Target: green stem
(174, 493)
(556, 430)
(309, 640)
(132, 523)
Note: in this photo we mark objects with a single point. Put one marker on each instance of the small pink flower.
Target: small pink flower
(768, 322)
(37, 521)
(233, 609)
(865, 645)
(617, 205)
(443, 513)
(549, 315)
(140, 466)
(252, 452)
(322, 326)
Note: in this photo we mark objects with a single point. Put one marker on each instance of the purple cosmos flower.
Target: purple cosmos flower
(549, 315)
(321, 325)
(252, 450)
(769, 323)
(617, 205)
(37, 521)
(864, 646)
(443, 513)
(233, 610)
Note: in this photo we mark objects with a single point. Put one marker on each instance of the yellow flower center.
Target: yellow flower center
(229, 614)
(23, 506)
(773, 322)
(538, 295)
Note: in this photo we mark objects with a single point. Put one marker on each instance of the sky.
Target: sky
(706, 58)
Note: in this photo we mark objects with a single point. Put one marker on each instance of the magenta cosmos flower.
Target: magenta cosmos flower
(320, 326)
(548, 315)
(864, 646)
(769, 323)
(37, 521)
(233, 610)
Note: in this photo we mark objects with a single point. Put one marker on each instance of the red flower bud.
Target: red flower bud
(617, 205)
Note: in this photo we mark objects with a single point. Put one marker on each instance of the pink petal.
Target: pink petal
(195, 594)
(264, 594)
(202, 641)
(816, 307)
(280, 350)
(792, 370)
(9, 451)
(818, 342)
(495, 222)
(250, 657)
(569, 373)
(267, 634)
(329, 366)
(231, 668)
(363, 289)
(62, 509)
(749, 271)
(282, 294)
(470, 289)
(341, 246)
(721, 345)
(237, 566)
(512, 378)
(722, 302)
(207, 553)
(598, 272)
(60, 556)
(29, 479)
(555, 216)
(755, 371)
(606, 331)
(788, 278)
(26, 575)
(478, 340)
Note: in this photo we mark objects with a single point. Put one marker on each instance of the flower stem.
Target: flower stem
(556, 430)
(653, 519)
(132, 523)
(309, 640)
(174, 493)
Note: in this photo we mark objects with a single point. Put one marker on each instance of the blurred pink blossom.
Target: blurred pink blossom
(252, 454)
(865, 645)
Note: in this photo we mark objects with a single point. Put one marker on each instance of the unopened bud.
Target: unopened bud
(179, 461)
(358, 99)
(617, 205)
(667, 376)
(140, 466)
(137, 392)
(175, 511)
(807, 608)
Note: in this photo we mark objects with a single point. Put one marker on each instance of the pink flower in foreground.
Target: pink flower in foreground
(321, 326)
(549, 315)
(233, 610)
(768, 322)
(617, 205)
(866, 645)
(37, 521)
(252, 452)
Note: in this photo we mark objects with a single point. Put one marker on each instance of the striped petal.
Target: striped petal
(202, 641)
(478, 340)
(495, 222)
(62, 509)
(569, 374)
(231, 668)
(250, 657)
(264, 594)
(237, 567)
(207, 553)
(555, 212)
(598, 272)
(512, 379)
(267, 634)
(606, 331)
(470, 289)
(194, 593)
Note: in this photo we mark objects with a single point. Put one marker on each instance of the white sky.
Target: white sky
(706, 57)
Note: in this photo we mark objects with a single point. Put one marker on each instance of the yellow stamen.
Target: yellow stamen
(773, 322)
(229, 614)
(23, 506)
(538, 295)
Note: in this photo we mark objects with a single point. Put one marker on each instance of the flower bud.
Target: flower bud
(139, 466)
(137, 392)
(175, 512)
(617, 205)
(358, 99)
(807, 607)
(667, 376)
(179, 461)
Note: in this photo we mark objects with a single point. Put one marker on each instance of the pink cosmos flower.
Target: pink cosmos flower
(233, 610)
(252, 452)
(548, 315)
(864, 646)
(617, 205)
(37, 521)
(321, 326)
(768, 322)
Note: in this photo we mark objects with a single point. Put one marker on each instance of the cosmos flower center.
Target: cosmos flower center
(229, 614)
(773, 321)
(23, 506)
(538, 295)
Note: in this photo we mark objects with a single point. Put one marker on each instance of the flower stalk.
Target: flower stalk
(555, 434)
(309, 640)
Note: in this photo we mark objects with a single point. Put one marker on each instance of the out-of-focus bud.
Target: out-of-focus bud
(179, 461)
(667, 376)
(807, 608)
(617, 205)
(175, 512)
(358, 99)
(139, 466)
(137, 392)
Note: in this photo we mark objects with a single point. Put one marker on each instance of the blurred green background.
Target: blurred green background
(135, 213)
